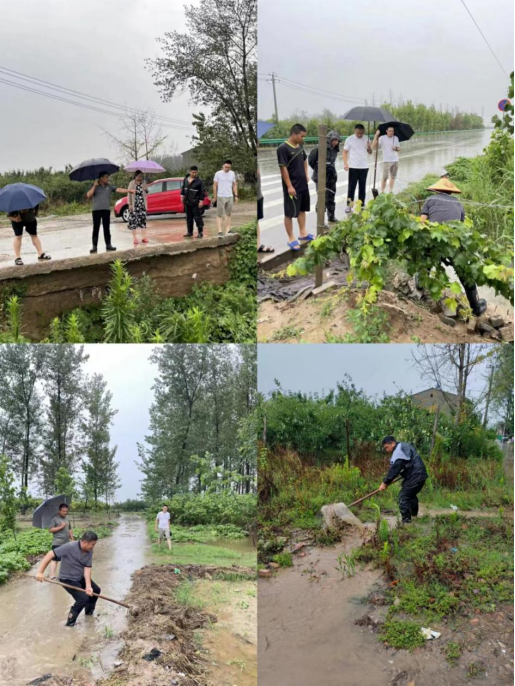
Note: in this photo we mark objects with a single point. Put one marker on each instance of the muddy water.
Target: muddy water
(33, 638)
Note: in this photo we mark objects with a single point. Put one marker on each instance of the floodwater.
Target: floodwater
(33, 638)
(418, 157)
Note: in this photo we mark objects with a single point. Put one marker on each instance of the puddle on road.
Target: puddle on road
(33, 638)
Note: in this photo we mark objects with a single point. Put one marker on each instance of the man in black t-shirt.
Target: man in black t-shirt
(294, 173)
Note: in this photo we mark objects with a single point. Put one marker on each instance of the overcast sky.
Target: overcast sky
(377, 369)
(130, 377)
(95, 47)
(430, 52)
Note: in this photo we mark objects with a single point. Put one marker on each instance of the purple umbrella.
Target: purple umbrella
(145, 166)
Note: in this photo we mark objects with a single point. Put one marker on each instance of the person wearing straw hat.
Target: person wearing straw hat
(76, 561)
(442, 207)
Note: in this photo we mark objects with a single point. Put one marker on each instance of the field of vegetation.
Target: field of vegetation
(131, 312)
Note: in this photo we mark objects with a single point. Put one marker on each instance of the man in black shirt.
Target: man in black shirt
(294, 173)
(193, 193)
(407, 463)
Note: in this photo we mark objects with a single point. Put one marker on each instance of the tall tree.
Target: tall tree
(98, 465)
(63, 385)
(21, 403)
(216, 60)
(502, 387)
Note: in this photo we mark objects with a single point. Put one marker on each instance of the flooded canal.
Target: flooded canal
(33, 638)
(418, 157)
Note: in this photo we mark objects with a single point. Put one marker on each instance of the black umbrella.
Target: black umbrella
(90, 169)
(403, 131)
(370, 114)
(365, 113)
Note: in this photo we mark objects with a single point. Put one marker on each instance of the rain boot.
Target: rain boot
(72, 618)
(331, 218)
(478, 305)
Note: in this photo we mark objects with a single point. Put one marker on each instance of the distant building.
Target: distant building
(188, 158)
(435, 398)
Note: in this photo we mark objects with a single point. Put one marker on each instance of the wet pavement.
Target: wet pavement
(418, 157)
(33, 638)
(65, 237)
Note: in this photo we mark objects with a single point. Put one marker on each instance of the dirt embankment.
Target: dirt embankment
(161, 645)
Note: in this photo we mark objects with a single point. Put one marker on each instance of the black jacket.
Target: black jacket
(193, 192)
(406, 462)
(332, 156)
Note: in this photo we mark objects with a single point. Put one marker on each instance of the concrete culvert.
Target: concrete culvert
(337, 514)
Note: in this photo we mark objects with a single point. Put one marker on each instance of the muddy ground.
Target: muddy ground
(317, 627)
(168, 643)
(323, 318)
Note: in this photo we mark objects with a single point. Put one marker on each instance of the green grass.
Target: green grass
(402, 634)
(283, 559)
(194, 552)
(446, 567)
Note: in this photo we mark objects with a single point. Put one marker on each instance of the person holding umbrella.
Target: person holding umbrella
(138, 207)
(355, 151)
(100, 193)
(21, 202)
(390, 146)
(61, 529)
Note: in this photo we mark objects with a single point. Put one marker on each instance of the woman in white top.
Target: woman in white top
(138, 207)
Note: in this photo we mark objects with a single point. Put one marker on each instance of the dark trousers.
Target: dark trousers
(357, 177)
(82, 601)
(330, 195)
(194, 214)
(104, 217)
(408, 501)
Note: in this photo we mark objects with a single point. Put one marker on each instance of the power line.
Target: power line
(484, 38)
(68, 91)
(80, 104)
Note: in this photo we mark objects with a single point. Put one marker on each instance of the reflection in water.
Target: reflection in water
(33, 638)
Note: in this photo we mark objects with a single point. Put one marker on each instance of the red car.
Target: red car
(163, 197)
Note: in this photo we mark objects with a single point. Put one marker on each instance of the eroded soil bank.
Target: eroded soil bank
(317, 627)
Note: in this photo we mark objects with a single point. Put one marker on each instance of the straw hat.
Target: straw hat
(444, 185)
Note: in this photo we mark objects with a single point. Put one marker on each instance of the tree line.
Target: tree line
(318, 426)
(55, 423)
(420, 117)
(202, 434)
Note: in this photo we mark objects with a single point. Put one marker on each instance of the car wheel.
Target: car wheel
(126, 214)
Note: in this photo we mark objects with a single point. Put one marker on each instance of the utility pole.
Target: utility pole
(322, 161)
(273, 75)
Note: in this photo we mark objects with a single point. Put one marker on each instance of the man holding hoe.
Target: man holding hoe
(76, 559)
(162, 522)
(406, 463)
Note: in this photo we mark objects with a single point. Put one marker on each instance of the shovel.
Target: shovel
(342, 513)
(76, 588)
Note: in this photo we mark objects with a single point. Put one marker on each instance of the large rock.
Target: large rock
(496, 321)
(449, 321)
(507, 333)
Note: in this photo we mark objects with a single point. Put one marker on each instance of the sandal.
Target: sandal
(144, 240)
(265, 248)
(18, 261)
(307, 238)
(294, 245)
(44, 256)
(135, 241)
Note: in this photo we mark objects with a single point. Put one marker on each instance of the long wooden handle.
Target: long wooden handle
(77, 588)
(371, 494)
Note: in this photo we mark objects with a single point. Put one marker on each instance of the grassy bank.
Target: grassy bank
(18, 553)
(292, 492)
(442, 572)
(204, 545)
(133, 312)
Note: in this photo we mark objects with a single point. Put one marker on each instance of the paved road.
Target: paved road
(418, 157)
(64, 237)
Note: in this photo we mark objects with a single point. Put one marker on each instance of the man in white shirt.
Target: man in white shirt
(355, 151)
(225, 189)
(390, 146)
(162, 525)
